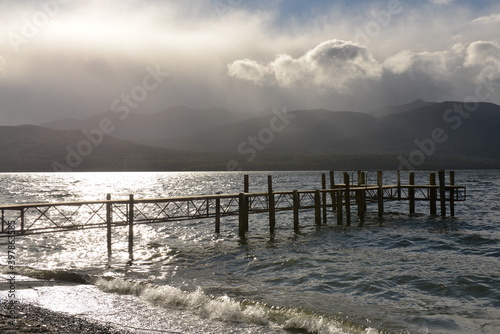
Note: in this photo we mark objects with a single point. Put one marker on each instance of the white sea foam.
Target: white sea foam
(226, 309)
(219, 308)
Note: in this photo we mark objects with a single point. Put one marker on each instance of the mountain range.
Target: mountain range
(416, 135)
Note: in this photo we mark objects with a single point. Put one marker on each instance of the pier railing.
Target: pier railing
(340, 198)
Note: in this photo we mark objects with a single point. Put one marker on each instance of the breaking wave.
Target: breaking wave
(224, 308)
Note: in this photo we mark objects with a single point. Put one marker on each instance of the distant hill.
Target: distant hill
(323, 131)
(433, 135)
(170, 123)
(398, 109)
(305, 131)
(33, 148)
(476, 136)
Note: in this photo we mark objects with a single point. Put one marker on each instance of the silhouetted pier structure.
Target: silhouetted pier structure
(354, 193)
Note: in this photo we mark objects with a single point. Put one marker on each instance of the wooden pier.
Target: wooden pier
(353, 193)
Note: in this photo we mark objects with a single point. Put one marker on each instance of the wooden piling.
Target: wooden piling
(109, 218)
(347, 198)
(411, 191)
(131, 228)
(363, 193)
(217, 215)
(246, 183)
(272, 209)
(243, 215)
(359, 204)
(323, 197)
(442, 192)
(22, 220)
(452, 194)
(432, 194)
(317, 207)
(296, 207)
(380, 193)
(246, 189)
(398, 176)
(338, 195)
(358, 193)
(332, 186)
(361, 197)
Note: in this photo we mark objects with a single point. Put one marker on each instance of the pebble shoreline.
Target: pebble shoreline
(34, 319)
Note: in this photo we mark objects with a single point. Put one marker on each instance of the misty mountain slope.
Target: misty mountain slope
(297, 140)
(477, 135)
(303, 130)
(397, 109)
(32, 148)
(172, 122)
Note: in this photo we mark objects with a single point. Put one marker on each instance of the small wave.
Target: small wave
(57, 275)
(224, 308)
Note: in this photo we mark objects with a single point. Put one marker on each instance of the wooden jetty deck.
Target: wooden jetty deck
(354, 192)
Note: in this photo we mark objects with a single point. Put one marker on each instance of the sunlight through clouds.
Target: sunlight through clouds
(71, 61)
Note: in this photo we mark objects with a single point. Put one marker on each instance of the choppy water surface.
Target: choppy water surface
(401, 274)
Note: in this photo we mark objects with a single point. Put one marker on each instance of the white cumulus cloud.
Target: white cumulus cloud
(485, 57)
(331, 64)
(439, 63)
(249, 69)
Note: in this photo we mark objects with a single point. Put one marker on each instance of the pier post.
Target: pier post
(317, 207)
(338, 194)
(442, 192)
(272, 211)
(411, 191)
(452, 194)
(296, 207)
(246, 189)
(398, 175)
(332, 186)
(217, 215)
(358, 193)
(109, 218)
(380, 193)
(432, 194)
(131, 228)
(363, 193)
(347, 198)
(22, 221)
(243, 215)
(323, 197)
(360, 197)
(246, 183)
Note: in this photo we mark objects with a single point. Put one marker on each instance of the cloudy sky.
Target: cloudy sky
(76, 58)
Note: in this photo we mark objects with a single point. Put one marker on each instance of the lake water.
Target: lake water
(399, 274)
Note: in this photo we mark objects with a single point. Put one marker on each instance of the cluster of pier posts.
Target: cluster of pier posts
(344, 196)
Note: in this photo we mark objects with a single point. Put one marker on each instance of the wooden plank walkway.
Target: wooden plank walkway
(40, 218)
